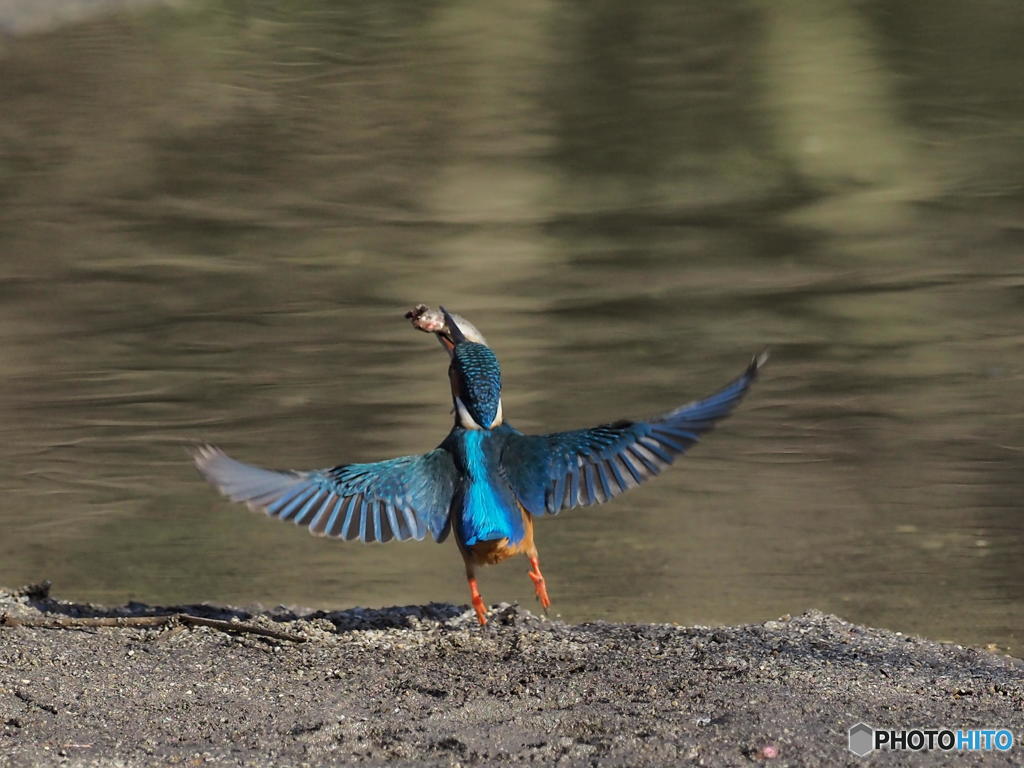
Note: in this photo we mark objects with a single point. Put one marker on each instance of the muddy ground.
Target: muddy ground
(424, 685)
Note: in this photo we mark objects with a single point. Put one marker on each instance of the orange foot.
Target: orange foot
(538, 583)
(478, 603)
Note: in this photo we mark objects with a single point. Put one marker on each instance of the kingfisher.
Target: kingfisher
(486, 482)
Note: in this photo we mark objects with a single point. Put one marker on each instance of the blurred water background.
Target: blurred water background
(213, 214)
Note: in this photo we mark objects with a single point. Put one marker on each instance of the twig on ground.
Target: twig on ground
(169, 620)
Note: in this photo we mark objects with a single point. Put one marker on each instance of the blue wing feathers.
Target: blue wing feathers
(409, 496)
(561, 470)
(380, 521)
(400, 498)
(350, 511)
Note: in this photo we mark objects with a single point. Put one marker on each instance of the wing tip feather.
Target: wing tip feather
(757, 362)
(204, 454)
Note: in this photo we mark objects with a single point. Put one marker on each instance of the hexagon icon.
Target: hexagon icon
(862, 739)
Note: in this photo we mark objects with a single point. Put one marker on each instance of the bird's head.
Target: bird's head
(475, 377)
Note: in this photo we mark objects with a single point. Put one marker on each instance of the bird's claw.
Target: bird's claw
(480, 609)
(540, 588)
(478, 602)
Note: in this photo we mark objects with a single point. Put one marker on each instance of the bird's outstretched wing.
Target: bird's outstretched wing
(563, 470)
(400, 498)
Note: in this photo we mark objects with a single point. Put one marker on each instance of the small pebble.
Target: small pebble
(768, 752)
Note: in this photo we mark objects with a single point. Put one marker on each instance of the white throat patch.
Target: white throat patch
(466, 421)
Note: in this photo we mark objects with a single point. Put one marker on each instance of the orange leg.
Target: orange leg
(478, 602)
(538, 582)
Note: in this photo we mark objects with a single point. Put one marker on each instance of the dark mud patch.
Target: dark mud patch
(424, 685)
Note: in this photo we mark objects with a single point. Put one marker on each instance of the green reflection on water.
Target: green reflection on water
(214, 214)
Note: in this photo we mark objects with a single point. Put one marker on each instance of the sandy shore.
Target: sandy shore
(424, 685)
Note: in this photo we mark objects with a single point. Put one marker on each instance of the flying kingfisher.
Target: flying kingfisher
(486, 481)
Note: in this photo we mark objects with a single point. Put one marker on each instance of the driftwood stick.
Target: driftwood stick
(150, 621)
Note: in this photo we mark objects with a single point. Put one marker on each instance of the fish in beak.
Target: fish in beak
(450, 328)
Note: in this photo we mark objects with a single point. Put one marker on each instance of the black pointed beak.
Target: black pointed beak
(453, 332)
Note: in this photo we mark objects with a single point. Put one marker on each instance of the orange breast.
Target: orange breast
(493, 552)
